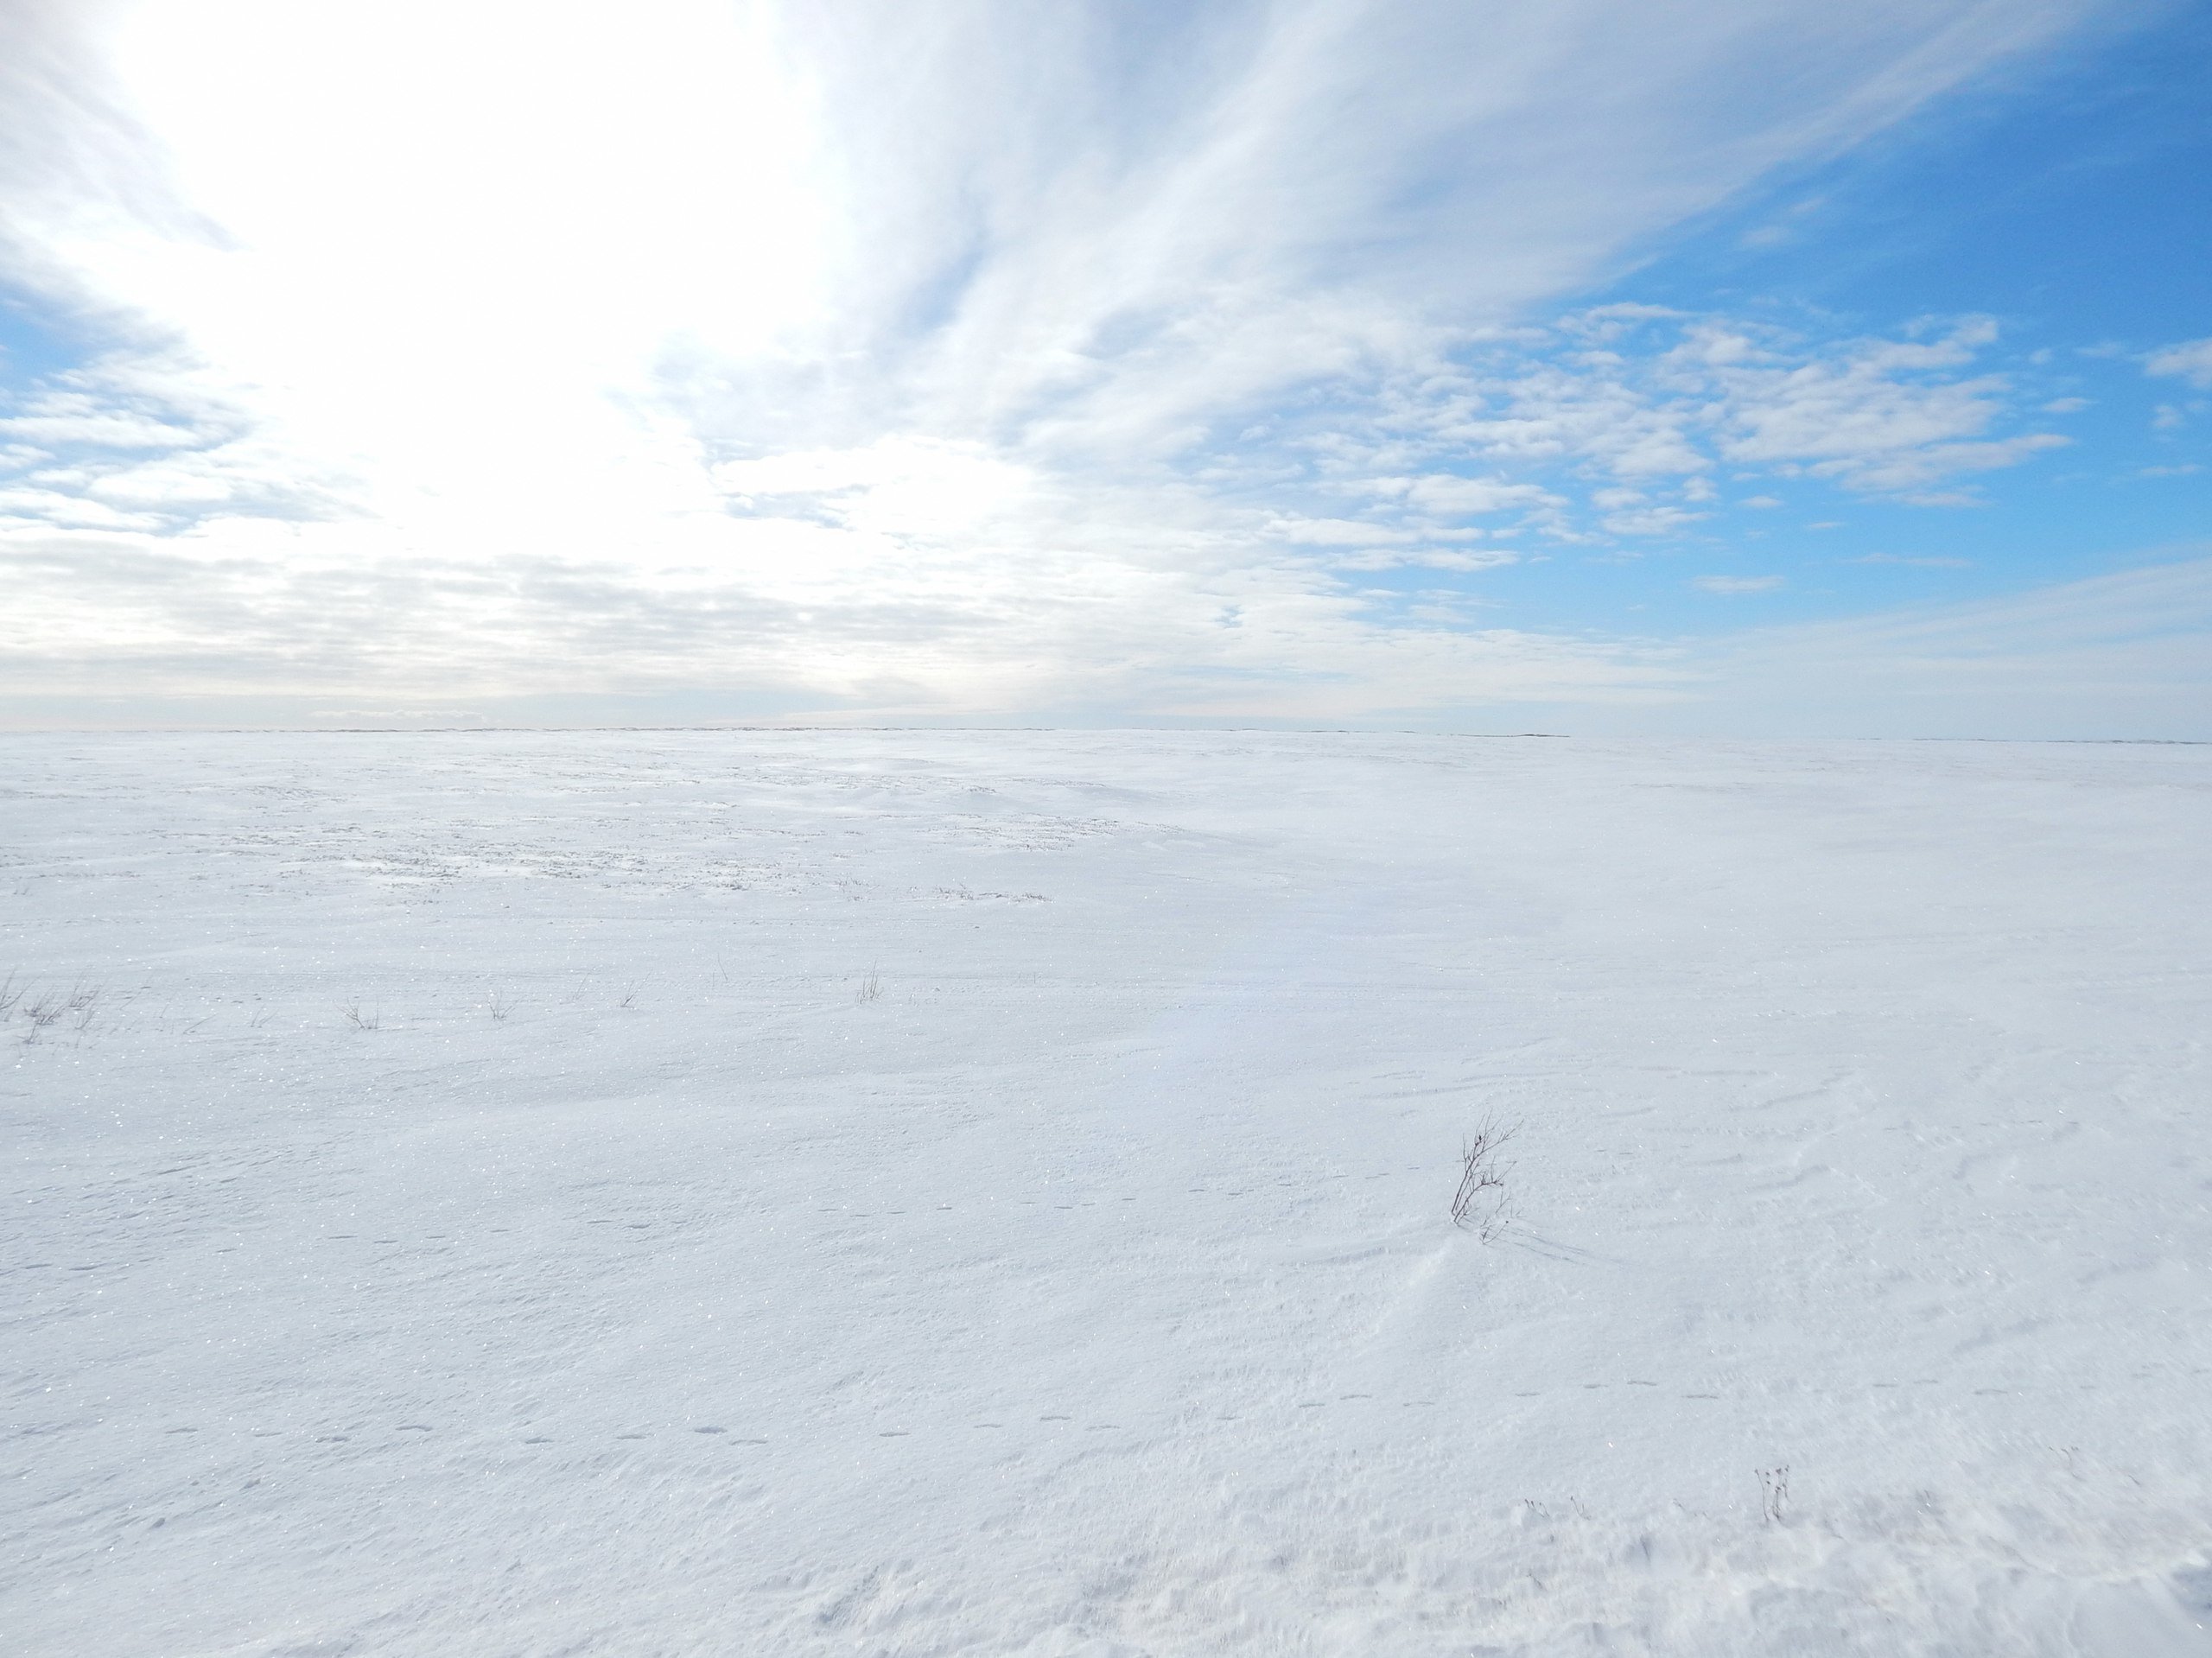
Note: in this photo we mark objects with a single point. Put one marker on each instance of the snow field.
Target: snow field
(929, 1193)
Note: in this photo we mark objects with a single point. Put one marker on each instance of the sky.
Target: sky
(1728, 368)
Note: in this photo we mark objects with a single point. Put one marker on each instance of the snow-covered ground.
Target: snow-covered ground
(716, 1193)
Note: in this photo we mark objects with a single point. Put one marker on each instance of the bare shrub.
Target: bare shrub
(1481, 1204)
(359, 1021)
(871, 987)
(79, 1004)
(498, 1007)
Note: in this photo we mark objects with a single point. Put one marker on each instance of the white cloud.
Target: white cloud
(2191, 360)
(1634, 408)
(1910, 472)
(898, 486)
(1738, 584)
(1883, 417)
(1448, 495)
(2125, 655)
(1434, 558)
(891, 355)
(1337, 533)
(1650, 521)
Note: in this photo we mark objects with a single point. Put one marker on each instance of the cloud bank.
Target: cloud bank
(885, 362)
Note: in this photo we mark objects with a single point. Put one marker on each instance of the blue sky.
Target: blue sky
(1723, 366)
(2071, 204)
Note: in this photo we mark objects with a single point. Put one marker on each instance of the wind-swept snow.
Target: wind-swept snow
(920, 1194)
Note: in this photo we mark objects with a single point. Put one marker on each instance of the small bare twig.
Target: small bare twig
(871, 987)
(359, 1021)
(498, 1007)
(48, 1008)
(629, 996)
(1480, 1205)
(1774, 1492)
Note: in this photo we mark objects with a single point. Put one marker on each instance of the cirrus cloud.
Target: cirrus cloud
(976, 357)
